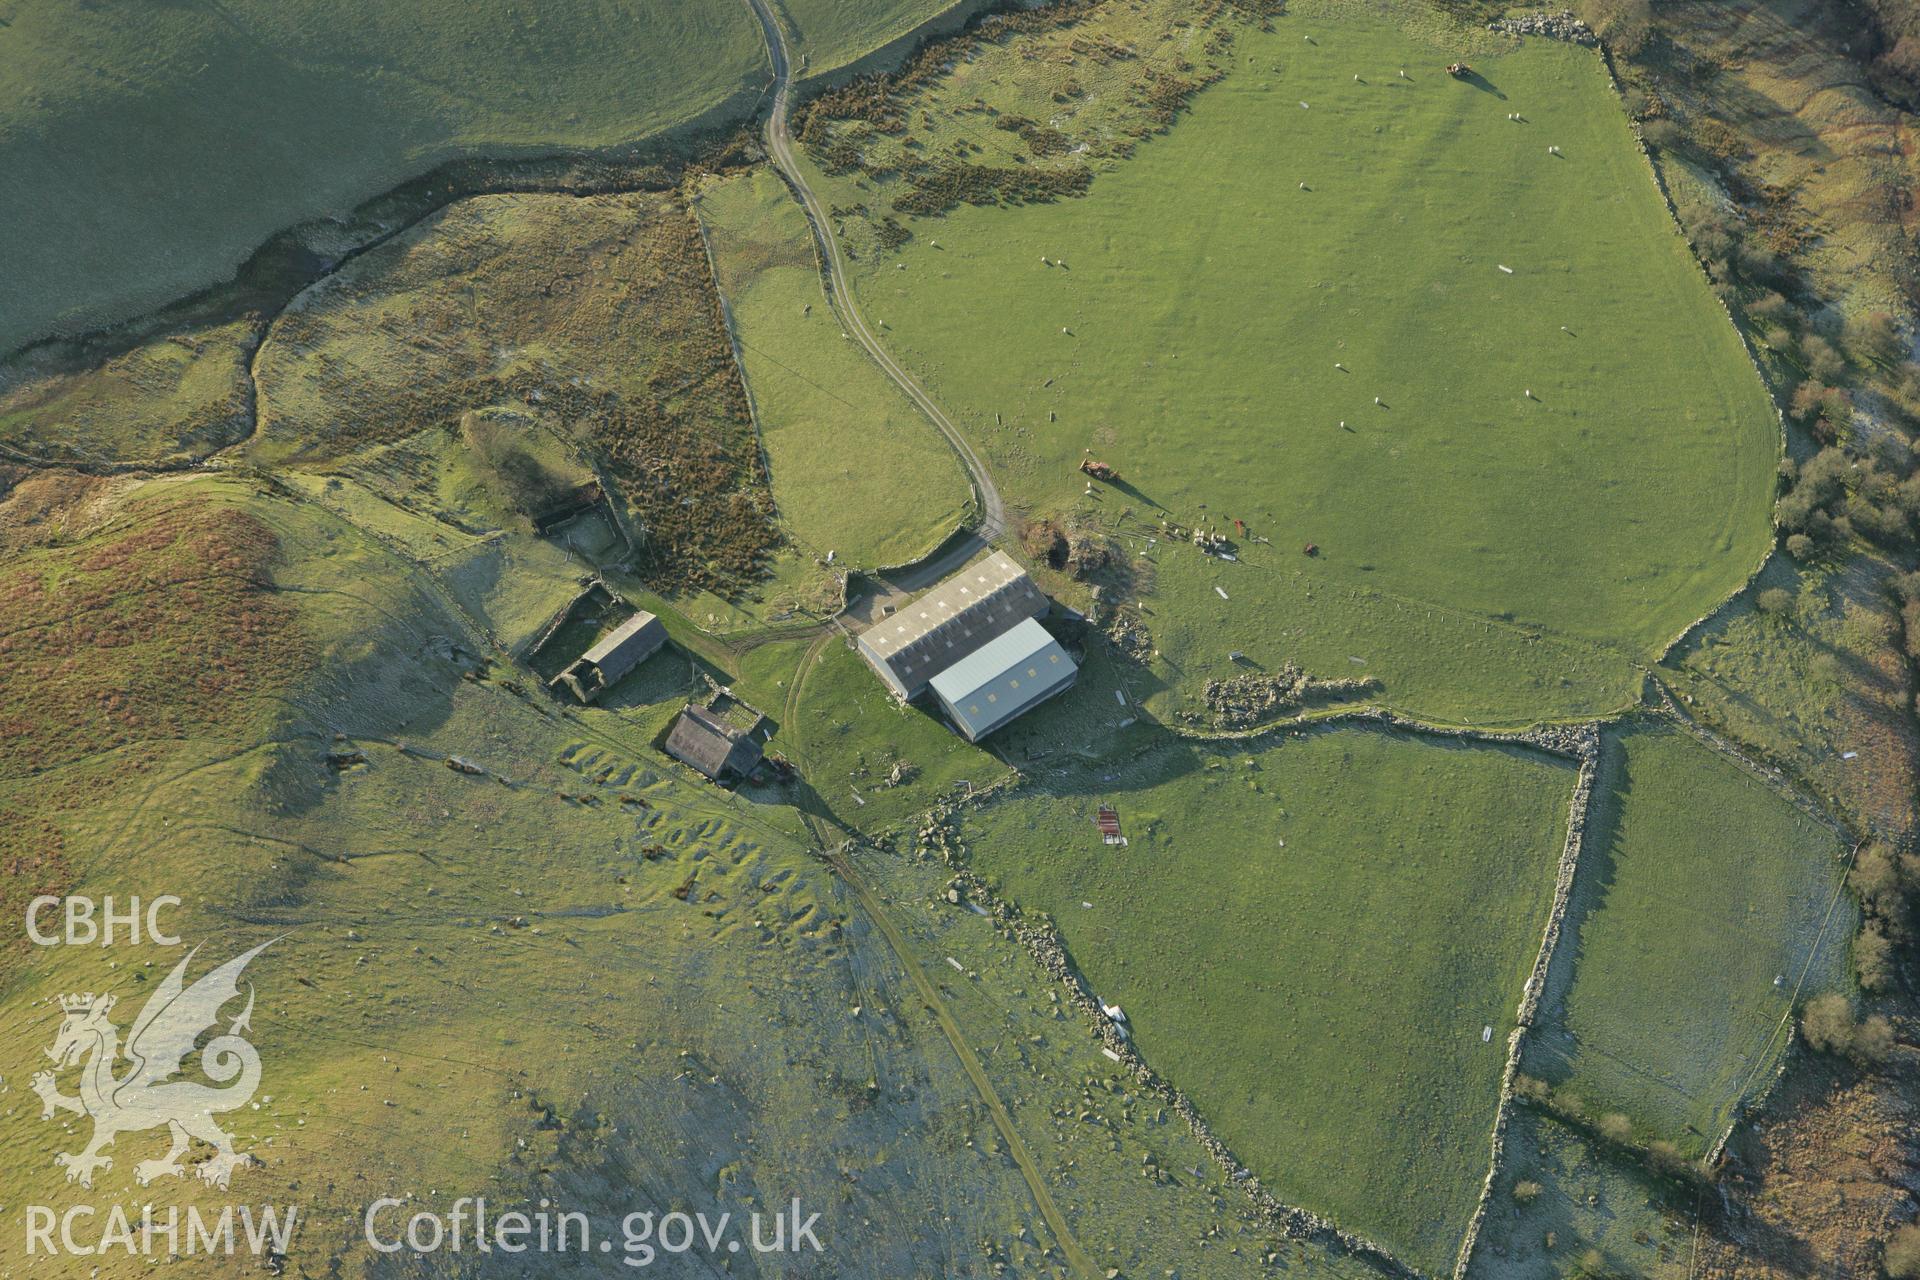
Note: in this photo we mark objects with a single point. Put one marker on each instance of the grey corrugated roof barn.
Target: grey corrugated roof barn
(976, 642)
(1003, 678)
(980, 603)
(620, 651)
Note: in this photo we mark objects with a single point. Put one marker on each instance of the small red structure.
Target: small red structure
(1099, 470)
(1109, 823)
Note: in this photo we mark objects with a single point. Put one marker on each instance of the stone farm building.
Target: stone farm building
(715, 744)
(620, 651)
(1003, 678)
(974, 633)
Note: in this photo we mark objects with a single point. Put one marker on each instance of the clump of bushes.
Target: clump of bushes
(1902, 1260)
(1906, 590)
(1045, 540)
(1833, 498)
(1042, 140)
(879, 100)
(942, 187)
(1164, 95)
(1884, 881)
(1829, 1025)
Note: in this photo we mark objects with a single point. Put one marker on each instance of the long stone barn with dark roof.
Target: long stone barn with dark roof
(971, 640)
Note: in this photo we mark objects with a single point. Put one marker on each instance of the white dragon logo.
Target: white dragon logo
(147, 1096)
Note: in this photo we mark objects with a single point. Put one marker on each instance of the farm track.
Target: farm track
(939, 564)
(993, 511)
(833, 850)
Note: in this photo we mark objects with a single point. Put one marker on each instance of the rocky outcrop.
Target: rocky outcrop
(1242, 701)
(1554, 26)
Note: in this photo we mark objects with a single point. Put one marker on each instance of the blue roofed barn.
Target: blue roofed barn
(1003, 678)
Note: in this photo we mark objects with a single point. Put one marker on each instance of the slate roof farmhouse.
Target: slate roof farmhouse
(623, 649)
(714, 744)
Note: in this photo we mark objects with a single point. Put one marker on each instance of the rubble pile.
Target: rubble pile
(1130, 637)
(1242, 701)
(902, 772)
(1089, 553)
(1554, 26)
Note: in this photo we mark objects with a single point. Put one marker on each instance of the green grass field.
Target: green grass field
(1308, 939)
(152, 148)
(1488, 556)
(856, 469)
(1698, 888)
(828, 33)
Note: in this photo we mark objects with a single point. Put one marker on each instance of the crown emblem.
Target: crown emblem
(82, 1002)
